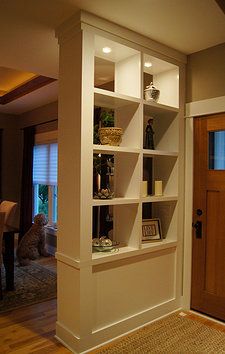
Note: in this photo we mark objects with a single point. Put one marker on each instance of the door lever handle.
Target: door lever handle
(198, 229)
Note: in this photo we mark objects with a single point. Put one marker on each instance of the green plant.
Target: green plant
(107, 118)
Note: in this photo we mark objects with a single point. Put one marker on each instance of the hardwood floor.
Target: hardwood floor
(30, 330)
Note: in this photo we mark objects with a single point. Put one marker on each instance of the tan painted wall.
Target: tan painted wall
(206, 74)
(39, 115)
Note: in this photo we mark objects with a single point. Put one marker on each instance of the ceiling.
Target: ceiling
(28, 43)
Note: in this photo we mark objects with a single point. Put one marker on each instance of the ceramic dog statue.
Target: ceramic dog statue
(32, 243)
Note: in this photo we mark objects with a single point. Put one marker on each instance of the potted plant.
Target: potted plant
(108, 134)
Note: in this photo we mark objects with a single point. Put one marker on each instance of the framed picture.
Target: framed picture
(151, 230)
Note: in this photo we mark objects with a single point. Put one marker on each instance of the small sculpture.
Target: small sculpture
(149, 132)
(32, 243)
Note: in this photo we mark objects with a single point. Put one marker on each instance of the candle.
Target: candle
(144, 188)
(158, 188)
(98, 181)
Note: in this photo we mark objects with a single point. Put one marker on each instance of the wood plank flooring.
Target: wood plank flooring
(30, 330)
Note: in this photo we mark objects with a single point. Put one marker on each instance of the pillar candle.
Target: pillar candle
(144, 188)
(99, 181)
(158, 188)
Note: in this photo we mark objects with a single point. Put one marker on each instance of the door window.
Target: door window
(217, 150)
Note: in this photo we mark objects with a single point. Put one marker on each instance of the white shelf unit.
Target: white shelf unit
(125, 67)
(90, 78)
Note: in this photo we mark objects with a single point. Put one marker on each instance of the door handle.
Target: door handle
(198, 229)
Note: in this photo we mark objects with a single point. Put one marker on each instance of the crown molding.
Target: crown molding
(84, 20)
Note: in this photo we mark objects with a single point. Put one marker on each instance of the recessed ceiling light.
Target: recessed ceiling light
(106, 50)
(147, 64)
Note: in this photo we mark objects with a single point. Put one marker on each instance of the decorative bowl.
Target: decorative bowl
(104, 194)
(103, 244)
(110, 136)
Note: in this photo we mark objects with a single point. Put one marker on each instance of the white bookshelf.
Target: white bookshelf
(131, 111)
(116, 81)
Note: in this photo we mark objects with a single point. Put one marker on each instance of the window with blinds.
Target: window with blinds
(45, 170)
(45, 164)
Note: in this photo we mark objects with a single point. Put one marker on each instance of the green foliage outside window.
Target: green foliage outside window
(43, 199)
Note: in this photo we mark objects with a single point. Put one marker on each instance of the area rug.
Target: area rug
(171, 335)
(33, 283)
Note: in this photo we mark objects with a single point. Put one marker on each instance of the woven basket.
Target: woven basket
(110, 136)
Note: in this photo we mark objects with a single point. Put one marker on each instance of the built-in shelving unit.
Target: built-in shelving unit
(124, 93)
(93, 80)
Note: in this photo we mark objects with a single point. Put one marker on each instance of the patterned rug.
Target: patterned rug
(174, 334)
(33, 283)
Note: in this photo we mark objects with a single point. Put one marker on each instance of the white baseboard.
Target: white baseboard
(114, 331)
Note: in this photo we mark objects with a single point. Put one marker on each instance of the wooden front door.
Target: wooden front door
(208, 254)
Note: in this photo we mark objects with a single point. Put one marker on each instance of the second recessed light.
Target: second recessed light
(106, 50)
(147, 64)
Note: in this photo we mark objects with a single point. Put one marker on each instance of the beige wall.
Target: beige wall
(206, 74)
(39, 115)
(12, 146)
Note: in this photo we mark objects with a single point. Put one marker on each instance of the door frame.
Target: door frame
(193, 110)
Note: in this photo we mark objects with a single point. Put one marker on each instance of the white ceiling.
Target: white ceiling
(27, 39)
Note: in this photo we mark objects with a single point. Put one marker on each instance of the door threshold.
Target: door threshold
(207, 317)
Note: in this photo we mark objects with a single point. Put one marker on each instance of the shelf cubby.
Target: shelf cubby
(112, 69)
(165, 77)
(165, 129)
(127, 115)
(120, 179)
(120, 223)
(127, 175)
(161, 168)
(166, 212)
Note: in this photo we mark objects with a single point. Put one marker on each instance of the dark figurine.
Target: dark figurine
(149, 132)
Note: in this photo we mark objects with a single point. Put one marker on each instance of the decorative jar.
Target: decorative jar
(151, 93)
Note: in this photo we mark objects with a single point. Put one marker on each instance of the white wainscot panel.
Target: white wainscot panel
(68, 297)
(129, 287)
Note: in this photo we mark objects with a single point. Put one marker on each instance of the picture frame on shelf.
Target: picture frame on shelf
(151, 230)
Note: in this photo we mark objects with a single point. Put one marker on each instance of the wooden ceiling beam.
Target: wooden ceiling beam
(26, 88)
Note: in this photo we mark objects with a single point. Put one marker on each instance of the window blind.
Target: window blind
(45, 164)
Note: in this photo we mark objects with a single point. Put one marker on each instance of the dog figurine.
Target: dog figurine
(32, 243)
